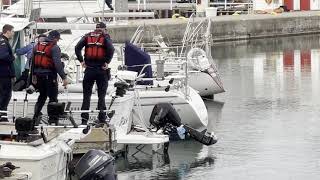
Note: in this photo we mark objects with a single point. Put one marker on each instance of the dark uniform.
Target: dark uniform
(98, 51)
(46, 64)
(7, 72)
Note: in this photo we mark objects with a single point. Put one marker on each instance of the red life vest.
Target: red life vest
(94, 49)
(42, 55)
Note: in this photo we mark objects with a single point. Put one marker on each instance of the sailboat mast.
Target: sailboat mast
(104, 4)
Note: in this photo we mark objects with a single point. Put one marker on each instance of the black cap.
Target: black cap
(101, 25)
(54, 35)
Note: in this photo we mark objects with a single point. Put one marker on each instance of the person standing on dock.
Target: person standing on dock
(98, 54)
(7, 72)
(47, 64)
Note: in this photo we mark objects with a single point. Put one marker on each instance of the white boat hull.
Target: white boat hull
(191, 110)
(204, 83)
(47, 161)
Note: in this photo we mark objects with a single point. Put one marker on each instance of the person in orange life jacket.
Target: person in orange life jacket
(27, 50)
(7, 72)
(46, 64)
(98, 54)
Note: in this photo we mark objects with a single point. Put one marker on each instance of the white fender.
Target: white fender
(198, 59)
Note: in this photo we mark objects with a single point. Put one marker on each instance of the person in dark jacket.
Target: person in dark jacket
(27, 50)
(7, 72)
(46, 62)
(98, 54)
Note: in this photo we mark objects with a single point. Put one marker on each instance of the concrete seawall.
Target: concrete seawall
(226, 28)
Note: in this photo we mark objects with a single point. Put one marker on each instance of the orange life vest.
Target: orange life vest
(94, 49)
(42, 55)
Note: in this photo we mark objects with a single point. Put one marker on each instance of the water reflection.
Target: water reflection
(183, 158)
(267, 121)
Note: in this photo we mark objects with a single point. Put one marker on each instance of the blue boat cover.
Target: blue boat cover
(133, 55)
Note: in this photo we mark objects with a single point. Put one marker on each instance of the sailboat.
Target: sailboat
(195, 48)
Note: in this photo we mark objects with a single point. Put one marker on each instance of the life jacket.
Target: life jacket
(43, 56)
(94, 49)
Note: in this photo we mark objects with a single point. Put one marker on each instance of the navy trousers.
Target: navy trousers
(48, 87)
(5, 95)
(101, 77)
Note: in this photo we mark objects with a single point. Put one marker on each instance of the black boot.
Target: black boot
(37, 119)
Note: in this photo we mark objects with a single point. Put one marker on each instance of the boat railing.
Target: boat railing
(183, 80)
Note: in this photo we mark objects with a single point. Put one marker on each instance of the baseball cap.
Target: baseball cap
(101, 25)
(54, 34)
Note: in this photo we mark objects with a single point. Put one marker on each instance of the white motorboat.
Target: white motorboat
(36, 159)
(122, 119)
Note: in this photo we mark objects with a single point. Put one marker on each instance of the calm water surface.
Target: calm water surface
(268, 121)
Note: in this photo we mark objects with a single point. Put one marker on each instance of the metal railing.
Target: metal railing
(145, 4)
(227, 5)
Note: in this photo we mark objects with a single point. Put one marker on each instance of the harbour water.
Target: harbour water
(267, 121)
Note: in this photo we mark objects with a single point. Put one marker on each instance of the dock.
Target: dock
(228, 28)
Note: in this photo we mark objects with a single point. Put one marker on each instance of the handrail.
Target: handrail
(226, 4)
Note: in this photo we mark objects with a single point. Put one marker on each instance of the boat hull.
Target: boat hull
(192, 109)
(40, 161)
(205, 83)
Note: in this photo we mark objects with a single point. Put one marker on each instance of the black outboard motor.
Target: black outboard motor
(24, 126)
(96, 165)
(121, 88)
(202, 137)
(164, 115)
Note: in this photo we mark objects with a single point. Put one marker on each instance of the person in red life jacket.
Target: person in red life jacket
(46, 64)
(7, 72)
(98, 54)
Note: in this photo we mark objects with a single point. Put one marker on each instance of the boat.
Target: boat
(39, 157)
(152, 90)
(195, 48)
(123, 115)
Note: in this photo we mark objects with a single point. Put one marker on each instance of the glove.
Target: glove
(181, 132)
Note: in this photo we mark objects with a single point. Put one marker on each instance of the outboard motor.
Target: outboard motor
(164, 115)
(96, 165)
(24, 126)
(121, 88)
